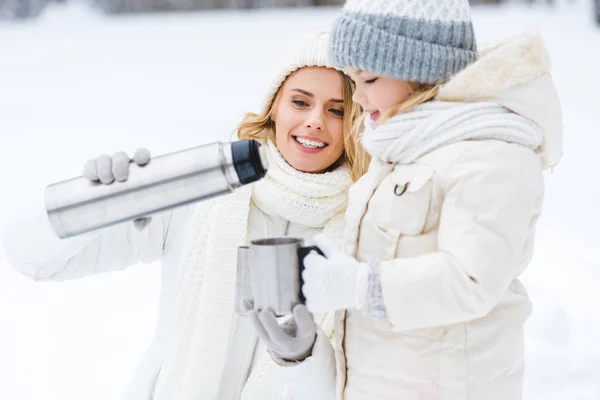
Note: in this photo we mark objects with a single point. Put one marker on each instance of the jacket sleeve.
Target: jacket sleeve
(488, 217)
(313, 378)
(33, 249)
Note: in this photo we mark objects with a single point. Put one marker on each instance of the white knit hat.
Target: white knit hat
(309, 51)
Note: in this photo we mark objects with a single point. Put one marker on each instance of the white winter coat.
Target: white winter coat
(32, 247)
(452, 246)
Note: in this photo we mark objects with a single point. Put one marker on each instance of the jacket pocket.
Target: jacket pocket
(402, 201)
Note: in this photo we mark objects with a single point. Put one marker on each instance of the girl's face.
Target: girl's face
(377, 93)
(309, 116)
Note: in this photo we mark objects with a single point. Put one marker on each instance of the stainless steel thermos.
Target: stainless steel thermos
(78, 205)
(269, 274)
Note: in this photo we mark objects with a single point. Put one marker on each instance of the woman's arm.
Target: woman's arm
(33, 249)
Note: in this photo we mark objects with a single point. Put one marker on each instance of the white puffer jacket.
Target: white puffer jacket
(452, 246)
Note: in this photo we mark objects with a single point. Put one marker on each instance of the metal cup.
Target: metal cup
(269, 273)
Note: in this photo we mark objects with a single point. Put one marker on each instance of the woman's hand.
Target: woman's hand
(291, 341)
(106, 169)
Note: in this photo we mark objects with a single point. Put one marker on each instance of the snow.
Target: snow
(76, 84)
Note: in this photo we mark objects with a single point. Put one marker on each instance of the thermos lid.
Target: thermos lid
(249, 161)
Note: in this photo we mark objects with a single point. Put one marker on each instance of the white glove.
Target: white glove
(334, 282)
(106, 169)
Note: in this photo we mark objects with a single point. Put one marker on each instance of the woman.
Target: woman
(202, 350)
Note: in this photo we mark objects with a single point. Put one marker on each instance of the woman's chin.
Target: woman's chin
(307, 162)
(304, 165)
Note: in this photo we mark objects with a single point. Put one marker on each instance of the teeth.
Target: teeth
(310, 143)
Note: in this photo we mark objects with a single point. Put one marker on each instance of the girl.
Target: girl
(442, 225)
(202, 350)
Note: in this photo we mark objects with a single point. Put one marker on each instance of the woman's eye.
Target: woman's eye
(372, 80)
(336, 112)
(300, 103)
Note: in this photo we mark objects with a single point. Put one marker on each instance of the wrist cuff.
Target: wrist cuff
(361, 286)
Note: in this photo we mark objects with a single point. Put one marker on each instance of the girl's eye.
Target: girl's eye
(372, 80)
(300, 103)
(337, 113)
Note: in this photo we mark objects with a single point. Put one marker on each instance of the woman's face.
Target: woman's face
(309, 117)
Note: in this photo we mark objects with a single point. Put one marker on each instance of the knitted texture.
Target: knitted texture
(408, 136)
(375, 306)
(300, 197)
(309, 51)
(425, 41)
(194, 360)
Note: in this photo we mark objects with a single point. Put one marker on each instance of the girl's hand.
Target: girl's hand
(334, 282)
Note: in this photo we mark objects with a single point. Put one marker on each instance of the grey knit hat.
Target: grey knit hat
(425, 41)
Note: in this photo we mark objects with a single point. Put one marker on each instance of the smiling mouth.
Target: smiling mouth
(309, 144)
(374, 115)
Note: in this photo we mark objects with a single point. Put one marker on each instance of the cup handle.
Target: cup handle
(303, 252)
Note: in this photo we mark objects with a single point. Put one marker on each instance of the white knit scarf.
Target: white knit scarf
(406, 137)
(302, 198)
(194, 357)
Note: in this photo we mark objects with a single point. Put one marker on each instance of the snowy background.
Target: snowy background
(75, 84)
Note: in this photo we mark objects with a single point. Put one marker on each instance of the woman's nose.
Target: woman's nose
(315, 120)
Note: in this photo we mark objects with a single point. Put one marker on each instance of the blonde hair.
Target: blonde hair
(261, 126)
(422, 93)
